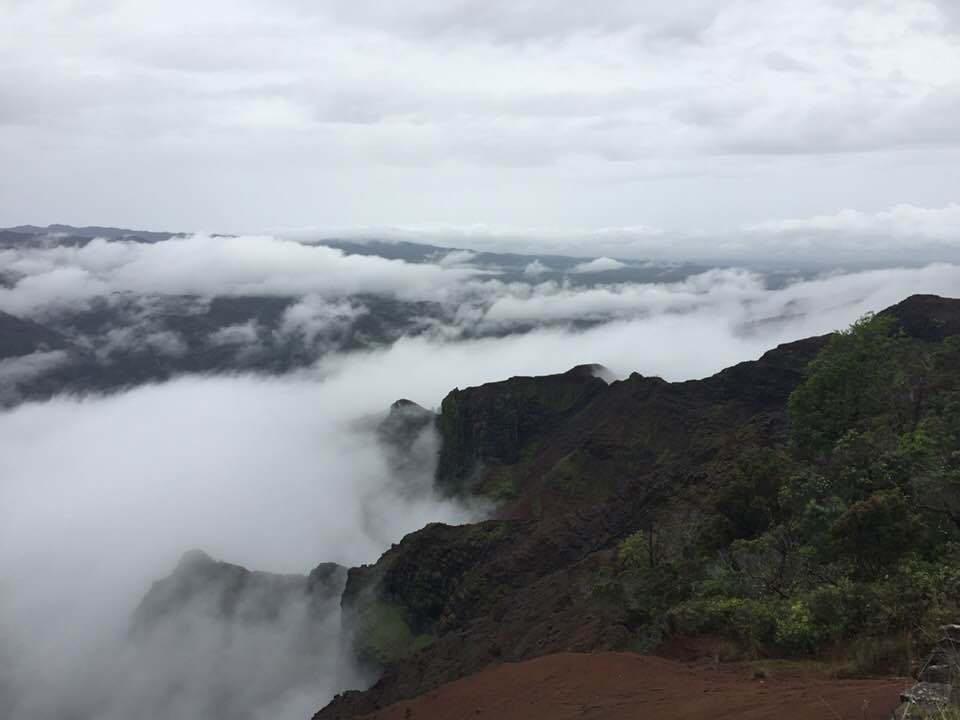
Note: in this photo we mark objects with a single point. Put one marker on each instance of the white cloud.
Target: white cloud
(166, 342)
(208, 265)
(535, 268)
(739, 295)
(601, 264)
(239, 334)
(853, 238)
(617, 114)
(15, 370)
(456, 258)
(898, 223)
(274, 474)
(138, 339)
(314, 317)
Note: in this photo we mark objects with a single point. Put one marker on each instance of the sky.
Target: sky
(750, 118)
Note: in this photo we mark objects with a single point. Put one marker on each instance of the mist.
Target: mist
(103, 496)
(104, 493)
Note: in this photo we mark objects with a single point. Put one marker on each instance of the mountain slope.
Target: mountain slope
(616, 500)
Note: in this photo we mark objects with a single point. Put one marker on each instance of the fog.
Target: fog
(104, 494)
(101, 495)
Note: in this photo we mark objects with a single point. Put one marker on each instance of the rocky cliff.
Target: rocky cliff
(576, 464)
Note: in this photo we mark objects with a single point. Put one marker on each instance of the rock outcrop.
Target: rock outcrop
(417, 590)
(491, 425)
(937, 690)
(200, 584)
(927, 317)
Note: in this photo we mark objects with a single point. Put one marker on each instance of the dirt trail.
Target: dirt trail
(618, 686)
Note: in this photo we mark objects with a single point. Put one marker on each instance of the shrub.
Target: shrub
(830, 612)
(797, 631)
(876, 531)
(745, 620)
(634, 552)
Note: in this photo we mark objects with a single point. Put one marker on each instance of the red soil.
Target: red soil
(615, 686)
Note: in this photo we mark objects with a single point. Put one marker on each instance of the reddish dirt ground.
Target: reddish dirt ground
(618, 686)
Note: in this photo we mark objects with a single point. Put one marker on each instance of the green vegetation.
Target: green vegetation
(384, 635)
(500, 486)
(849, 538)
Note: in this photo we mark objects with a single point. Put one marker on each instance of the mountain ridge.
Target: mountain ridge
(587, 464)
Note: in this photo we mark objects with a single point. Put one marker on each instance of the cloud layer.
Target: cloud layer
(902, 233)
(240, 116)
(207, 266)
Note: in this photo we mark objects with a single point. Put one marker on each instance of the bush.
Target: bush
(634, 552)
(871, 655)
(749, 503)
(747, 621)
(830, 611)
(797, 631)
(876, 531)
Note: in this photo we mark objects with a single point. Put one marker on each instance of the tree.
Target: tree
(854, 379)
(877, 531)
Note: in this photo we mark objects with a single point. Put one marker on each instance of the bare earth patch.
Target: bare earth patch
(615, 686)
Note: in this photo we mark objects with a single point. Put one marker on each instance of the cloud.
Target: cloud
(533, 239)
(206, 266)
(740, 295)
(601, 264)
(314, 317)
(535, 268)
(238, 334)
(139, 339)
(620, 113)
(457, 257)
(274, 474)
(14, 371)
(903, 233)
(519, 23)
(781, 62)
(900, 222)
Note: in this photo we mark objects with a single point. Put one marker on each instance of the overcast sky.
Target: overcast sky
(693, 116)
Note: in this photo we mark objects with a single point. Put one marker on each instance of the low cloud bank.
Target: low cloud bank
(601, 264)
(736, 297)
(206, 266)
(275, 475)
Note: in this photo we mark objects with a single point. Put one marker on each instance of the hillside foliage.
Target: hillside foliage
(847, 538)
